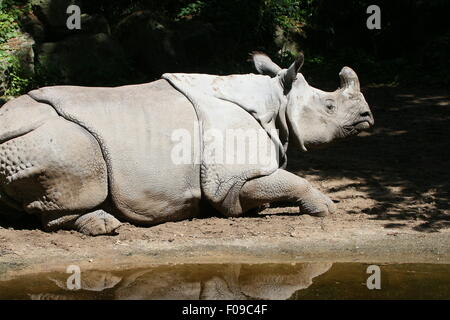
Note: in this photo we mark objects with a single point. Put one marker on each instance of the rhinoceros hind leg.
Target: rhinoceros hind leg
(97, 223)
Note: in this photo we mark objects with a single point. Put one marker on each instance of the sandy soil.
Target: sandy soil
(391, 187)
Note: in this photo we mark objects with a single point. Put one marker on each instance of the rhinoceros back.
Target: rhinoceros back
(133, 125)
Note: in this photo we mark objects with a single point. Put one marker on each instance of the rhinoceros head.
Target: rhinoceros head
(316, 117)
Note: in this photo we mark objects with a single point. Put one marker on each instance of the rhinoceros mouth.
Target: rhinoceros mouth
(357, 127)
(362, 125)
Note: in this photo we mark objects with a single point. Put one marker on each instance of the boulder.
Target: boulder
(53, 14)
(94, 24)
(84, 59)
(198, 42)
(32, 25)
(287, 41)
(159, 47)
(149, 43)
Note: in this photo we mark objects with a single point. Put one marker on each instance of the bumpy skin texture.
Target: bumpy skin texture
(83, 158)
(51, 174)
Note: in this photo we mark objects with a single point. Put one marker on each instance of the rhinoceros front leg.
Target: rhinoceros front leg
(287, 187)
(96, 223)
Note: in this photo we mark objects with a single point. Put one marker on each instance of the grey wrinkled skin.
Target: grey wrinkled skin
(87, 158)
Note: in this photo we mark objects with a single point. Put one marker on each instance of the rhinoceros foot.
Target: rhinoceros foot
(316, 203)
(97, 223)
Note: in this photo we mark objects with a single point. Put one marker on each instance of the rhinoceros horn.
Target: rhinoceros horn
(349, 79)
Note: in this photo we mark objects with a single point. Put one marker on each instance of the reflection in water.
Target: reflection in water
(187, 282)
(93, 281)
(239, 281)
(267, 281)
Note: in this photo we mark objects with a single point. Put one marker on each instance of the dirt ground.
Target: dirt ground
(391, 187)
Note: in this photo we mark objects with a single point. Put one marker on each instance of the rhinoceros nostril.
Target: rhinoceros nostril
(365, 114)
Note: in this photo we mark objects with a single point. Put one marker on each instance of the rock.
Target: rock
(49, 17)
(157, 47)
(198, 43)
(84, 60)
(24, 52)
(33, 26)
(286, 42)
(53, 14)
(94, 24)
(150, 44)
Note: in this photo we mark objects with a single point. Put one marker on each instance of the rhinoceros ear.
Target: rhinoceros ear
(289, 75)
(264, 64)
(349, 79)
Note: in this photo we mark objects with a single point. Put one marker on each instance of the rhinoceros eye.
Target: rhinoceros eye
(330, 108)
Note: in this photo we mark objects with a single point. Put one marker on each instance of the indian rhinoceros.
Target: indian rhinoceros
(84, 158)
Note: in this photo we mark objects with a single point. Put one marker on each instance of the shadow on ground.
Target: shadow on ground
(10, 218)
(402, 166)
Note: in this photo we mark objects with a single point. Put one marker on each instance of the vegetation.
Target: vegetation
(411, 48)
(15, 79)
(10, 13)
